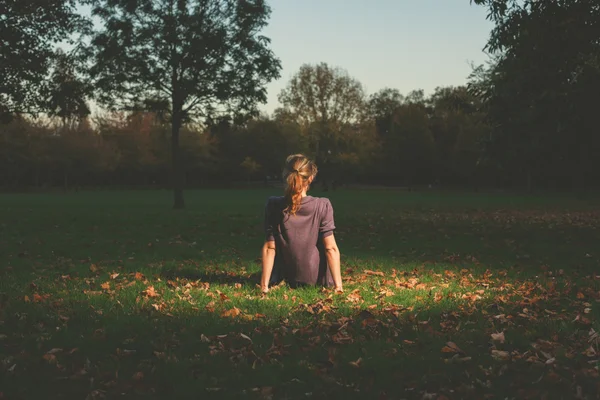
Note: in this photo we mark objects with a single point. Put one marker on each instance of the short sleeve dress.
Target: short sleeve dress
(300, 256)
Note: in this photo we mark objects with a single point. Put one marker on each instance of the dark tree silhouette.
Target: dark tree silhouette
(30, 29)
(197, 57)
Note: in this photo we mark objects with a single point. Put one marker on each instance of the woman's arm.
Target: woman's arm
(268, 259)
(333, 260)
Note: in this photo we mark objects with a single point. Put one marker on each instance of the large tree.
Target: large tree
(324, 100)
(543, 87)
(29, 33)
(196, 58)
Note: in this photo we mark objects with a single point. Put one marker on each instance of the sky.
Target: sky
(401, 44)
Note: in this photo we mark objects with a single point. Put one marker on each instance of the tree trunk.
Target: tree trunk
(177, 177)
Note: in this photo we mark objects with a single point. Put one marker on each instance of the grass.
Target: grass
(447, 296)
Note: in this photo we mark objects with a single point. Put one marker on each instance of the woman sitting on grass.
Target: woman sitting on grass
(300, 244)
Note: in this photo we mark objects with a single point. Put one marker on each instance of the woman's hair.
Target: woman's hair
(298, 170)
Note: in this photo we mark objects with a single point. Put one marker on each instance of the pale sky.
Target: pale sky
(402, 44)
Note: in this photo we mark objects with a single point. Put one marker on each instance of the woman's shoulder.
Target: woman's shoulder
(323, 201)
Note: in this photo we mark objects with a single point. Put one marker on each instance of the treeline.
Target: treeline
(179, 89)
(392, 139)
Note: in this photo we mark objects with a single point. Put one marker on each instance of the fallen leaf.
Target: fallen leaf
(138, 376)
(354, 296)
(223, 296)
(139, 276)
(210, 307)
(54, 351)
(376, 273)
(451, 347)
(246, 337)
(500, 354)
(498, 337)
(150, 292)
(94, 268)
(105, 286)
(50, 358)
(204, 339)
(234, 312)
(356, 364)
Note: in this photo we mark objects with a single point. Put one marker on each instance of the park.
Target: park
(143, 141)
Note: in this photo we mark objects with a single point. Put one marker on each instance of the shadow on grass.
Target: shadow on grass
(320, 347)
(213, 277)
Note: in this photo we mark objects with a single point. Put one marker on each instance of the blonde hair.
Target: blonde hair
(297, 172)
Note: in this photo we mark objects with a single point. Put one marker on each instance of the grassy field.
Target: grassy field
(447, 296)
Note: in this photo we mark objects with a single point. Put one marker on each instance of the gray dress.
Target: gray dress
(299, 253)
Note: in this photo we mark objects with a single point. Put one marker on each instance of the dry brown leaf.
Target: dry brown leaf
(94, 268)
(139, 276)
(354, 296)
(105, 286)
(500, 354)
(150, 292)
(114, 276)
(232, 313)
(498, 337)
(451, 347)
(223, 296)
(356, 364)
(138, 376)
(376, 273)
(50, 358)
(210, 307)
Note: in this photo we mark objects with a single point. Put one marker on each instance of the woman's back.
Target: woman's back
(299, 246)
(300, 257)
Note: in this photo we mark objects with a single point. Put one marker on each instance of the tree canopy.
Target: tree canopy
(196, 58)
(29, 31)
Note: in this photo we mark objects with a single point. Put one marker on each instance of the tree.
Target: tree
(542, 87)
(458, 128)
(381, 106)
(323, 100)
(29, 31)
(409, 150)
(68, 92)
(197, 57)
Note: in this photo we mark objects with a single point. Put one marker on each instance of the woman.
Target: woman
(300, 245)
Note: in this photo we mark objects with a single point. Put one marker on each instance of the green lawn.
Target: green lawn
(447, 296)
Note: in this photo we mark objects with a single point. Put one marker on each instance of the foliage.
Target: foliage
(193, 57)
(29, 31)
(540, 88)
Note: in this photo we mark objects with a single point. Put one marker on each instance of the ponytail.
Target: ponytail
(297, 172)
